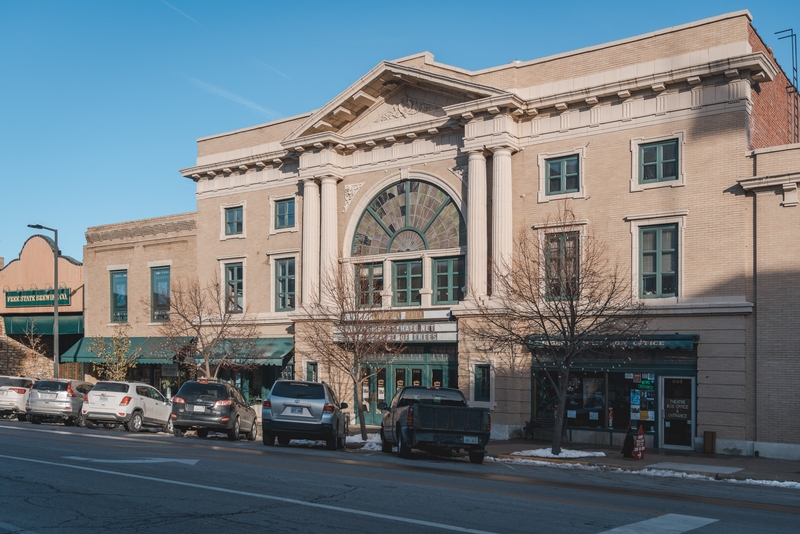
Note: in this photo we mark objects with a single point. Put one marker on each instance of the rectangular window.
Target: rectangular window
(658, 162)
(369, 280)
(119, 296)
(658, 261)
(448, 280)
(562, 266)
(483, 383)
(234, 287)
(284, 284)
(312, 372)
(159, 294)
(407, 283)
(562, 175)
(284, 214)
(234, 220)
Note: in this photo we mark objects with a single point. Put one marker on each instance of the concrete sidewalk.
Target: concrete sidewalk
(720, 466)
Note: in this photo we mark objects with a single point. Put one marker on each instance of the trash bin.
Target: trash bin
(710, 442)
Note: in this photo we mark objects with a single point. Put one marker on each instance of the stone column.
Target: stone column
(502, 214)
(310, 269)
(329, 237)
(477, 244)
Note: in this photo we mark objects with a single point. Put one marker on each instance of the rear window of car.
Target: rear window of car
(16, 382)
(442, 397)
(298, 390)
(48, 385)
(200, 389)
(111, 387)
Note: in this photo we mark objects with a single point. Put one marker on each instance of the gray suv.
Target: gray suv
(57, 399)
(303, 410)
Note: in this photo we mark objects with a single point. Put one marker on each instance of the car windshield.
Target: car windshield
(49, 385)
(443, 397)
(298, 390)
(203, 389)
(113, 387)
(16, 382)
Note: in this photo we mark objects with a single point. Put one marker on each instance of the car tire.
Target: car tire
(341, 442)
(168, 428)
(476, 457)
(385, 445)
(202, 433)
(22, 417)
(135, 424)
(233, 434)
(403, 450)
(178, 432)
(34, 419)
(79, 421)
(88, 424)
(253, 434)
(332, 441)
(268, 438)
(284, 440)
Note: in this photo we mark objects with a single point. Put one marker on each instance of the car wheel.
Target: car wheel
(385, 445)
(283, 440)
(135, 424)
(168, 428)
(268, 438)
(476, 457)
(331, 442)
(403, 451)
(88, 424)
(22, 417)
(202, 433)
(34, 419)
(79, 421)
(253, 434)
(233, 434)
(178, 432)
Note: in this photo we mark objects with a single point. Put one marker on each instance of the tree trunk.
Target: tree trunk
(359, 410)
(561, 413)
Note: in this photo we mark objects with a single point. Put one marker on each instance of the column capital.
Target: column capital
(505, 147)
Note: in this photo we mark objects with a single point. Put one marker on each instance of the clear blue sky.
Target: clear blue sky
(101, 102)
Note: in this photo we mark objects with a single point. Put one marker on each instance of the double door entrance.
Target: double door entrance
(428, 366)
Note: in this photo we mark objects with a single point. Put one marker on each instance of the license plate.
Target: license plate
(199, 408)
(297, 410)
(3, 393)
(103, 400)
(48, 395)
(473, 440)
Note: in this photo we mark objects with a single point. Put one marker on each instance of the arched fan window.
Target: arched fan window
(409, 216)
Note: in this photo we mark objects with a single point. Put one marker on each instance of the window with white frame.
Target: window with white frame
(284, 284)
(232, 219)
(482, 383)
(562, 175)
(283, 214)
(657, 258)
(234, 287)
(657, 161)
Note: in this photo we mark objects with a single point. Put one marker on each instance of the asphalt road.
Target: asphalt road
(56, 478)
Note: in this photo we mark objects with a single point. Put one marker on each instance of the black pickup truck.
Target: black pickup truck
(434, 420)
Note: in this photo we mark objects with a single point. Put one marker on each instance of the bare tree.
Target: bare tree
(349, 329)
(208, 329)
(31, 339)
(116, 357)
(563, 297)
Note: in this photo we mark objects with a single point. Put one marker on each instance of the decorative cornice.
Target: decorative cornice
(185, 224)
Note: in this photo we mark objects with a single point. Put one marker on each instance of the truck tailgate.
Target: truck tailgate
(450, 419)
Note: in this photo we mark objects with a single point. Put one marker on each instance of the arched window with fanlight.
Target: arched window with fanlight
(403, 221)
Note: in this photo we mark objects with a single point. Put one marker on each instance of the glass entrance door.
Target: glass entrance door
(677, 412)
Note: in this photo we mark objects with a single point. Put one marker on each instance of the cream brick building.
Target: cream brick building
(420, 174)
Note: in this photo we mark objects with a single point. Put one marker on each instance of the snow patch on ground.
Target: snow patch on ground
(664, 473)
(565, 453)
(371, 438)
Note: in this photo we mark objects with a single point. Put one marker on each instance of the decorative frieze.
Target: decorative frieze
(407, 107)
(350, 191)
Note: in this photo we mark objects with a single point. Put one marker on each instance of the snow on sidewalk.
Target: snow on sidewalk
(565, 453)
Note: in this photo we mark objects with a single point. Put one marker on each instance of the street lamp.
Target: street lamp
(55, 295)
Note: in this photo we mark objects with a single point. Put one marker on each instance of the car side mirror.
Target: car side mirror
(343, 406)
(383, 406)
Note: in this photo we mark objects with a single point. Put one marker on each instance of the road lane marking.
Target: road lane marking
(298, 502)
(133, 461)
(666, 524)
(15, 529)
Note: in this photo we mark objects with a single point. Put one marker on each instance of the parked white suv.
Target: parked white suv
(14, 391)
(133, 404)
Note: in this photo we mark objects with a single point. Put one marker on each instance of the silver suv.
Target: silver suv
(134, 404)
(57, 399)
(303, 410)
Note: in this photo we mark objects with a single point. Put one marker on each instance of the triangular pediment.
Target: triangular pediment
(390, 95)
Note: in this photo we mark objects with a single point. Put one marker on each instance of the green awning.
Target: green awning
(43, 324)
(153, 350)
(643, 341)
(264, 351)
